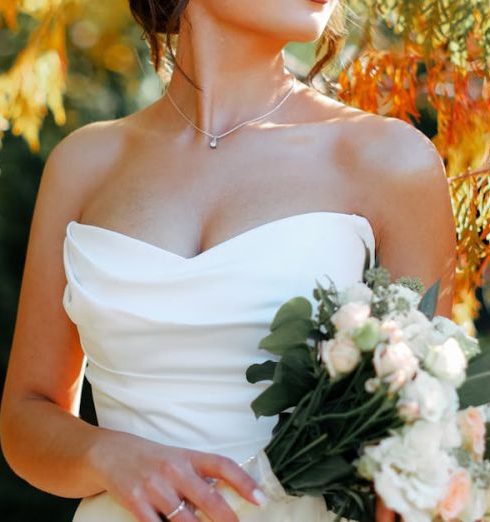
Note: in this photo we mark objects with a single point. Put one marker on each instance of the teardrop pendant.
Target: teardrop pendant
(214, 142)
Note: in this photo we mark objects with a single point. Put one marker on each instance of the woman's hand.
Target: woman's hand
(150, 479)
(383, 514)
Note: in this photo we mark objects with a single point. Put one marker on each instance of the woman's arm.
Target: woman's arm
(42, 438)
(416, 233)
(416, 227)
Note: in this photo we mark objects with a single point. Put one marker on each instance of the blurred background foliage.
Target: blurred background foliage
(65, 63)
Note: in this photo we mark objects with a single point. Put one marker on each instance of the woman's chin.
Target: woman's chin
(306, 35)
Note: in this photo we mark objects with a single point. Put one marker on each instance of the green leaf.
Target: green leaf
(288, 335)
(475, 390)
(276, 398)
(297, 308)
(479, 364)
(321, 474)
(260, 372)
(296, 369)
(428, 303)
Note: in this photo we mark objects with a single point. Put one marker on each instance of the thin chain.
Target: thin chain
(218, 136)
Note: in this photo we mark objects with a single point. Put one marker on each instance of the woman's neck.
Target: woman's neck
(242, 75)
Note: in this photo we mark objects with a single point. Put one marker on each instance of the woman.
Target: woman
(178, 247)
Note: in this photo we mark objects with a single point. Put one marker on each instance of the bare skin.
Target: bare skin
(151, 176)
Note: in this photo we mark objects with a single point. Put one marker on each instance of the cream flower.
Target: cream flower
(350, 315)
(340, 355)
(395, 364)
(412, 472)
(447, 361)
(423, 396)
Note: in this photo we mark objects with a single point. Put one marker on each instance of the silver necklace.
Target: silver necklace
(213, 142)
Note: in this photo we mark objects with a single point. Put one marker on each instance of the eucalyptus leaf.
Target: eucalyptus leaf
(289, 335)
(297, 308)
(260, 372)
(296, 369)
(428, 303)
(276, 398)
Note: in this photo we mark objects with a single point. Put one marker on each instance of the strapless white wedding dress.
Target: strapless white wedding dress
(168, 338)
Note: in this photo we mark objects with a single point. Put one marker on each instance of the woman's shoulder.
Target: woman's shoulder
(382, 143)
(392, 167)
(80, 161)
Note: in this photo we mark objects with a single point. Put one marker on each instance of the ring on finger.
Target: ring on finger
(177, 510)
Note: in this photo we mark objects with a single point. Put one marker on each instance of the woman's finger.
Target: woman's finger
(230, 471)
(165, 499)
(383, 514)
(207, 499)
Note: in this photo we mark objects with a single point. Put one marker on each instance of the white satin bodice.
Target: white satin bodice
(168, 338)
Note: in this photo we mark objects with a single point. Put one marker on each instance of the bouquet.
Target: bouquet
(375, 395)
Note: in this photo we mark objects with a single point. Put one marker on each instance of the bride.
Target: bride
(162, 244)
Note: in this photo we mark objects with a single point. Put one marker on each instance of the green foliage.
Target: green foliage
(454, 27)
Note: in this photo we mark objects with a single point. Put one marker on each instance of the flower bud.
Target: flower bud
(367, 336)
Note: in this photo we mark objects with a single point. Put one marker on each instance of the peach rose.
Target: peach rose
(472, 427)
(457, 496)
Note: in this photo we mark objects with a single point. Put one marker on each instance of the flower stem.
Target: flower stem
(307, 448)
(351, 413)
(361, 428)
(278, 436)
(294, 438)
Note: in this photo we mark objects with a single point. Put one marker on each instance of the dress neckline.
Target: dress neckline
(222, 244)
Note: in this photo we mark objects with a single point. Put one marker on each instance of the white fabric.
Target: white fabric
(168, 338)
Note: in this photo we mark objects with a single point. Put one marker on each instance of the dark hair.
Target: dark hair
(160, 18)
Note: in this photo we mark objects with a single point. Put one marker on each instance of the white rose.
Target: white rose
(451, 437)
(447, 328)
(413, 472)
(447, 361)
(395, 364)
(358, 292)
(340, 355)
(350, 315)
(427, 392)
(417, 331)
